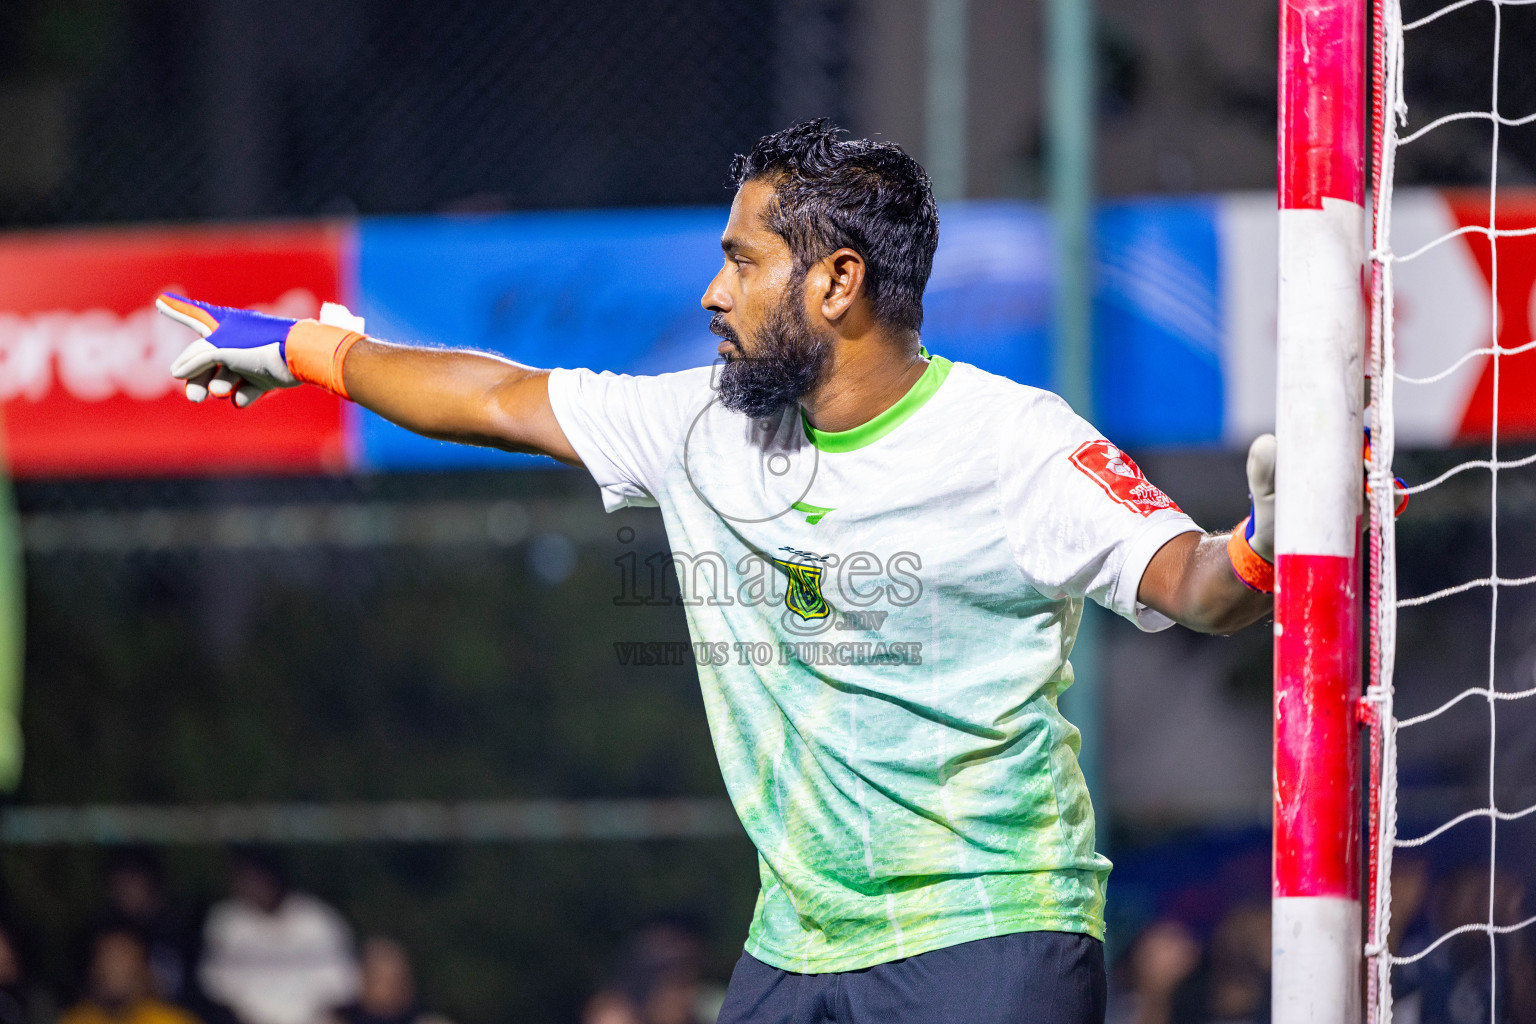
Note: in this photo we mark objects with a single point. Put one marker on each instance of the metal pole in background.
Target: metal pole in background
(944, 117)
(1069, 149)
(12, 636)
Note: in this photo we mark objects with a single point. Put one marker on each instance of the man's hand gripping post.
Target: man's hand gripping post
(1252, 545)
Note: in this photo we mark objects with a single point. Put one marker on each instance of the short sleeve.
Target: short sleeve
(626, 429)
(1082, 519)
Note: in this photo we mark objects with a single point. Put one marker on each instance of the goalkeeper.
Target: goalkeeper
(908, 543)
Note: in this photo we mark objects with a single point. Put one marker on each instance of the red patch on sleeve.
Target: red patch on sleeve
(1118, 476)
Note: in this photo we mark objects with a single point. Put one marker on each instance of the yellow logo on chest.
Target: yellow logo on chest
(804, 596)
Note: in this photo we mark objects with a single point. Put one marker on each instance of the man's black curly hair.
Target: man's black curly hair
(870, 197)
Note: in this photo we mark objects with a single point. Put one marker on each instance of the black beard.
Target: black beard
(788, 360)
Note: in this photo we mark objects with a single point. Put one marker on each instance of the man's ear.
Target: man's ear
(844, 271)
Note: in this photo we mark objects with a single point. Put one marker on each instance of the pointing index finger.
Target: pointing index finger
(187, 313)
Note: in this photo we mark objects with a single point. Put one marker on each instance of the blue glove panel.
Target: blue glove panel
(235, 328)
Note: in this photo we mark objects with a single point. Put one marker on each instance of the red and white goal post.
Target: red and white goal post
(1328, 363)
(1319, 427)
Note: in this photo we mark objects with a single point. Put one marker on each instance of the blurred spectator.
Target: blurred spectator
(272, 955)
(1237, 979)
(120, 987)
(19, 1002)
(387, 994)
(13, 1001)
(136, 899)
(1149, 976)
(1410, 897)
(657, 979)
(1165, 977)
(1453, 982)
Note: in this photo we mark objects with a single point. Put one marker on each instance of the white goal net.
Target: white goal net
(1449, 919)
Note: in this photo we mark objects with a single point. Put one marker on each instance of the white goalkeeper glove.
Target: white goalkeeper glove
(1251, 548)
(242, 354)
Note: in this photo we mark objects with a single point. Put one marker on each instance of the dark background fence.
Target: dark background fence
(179, 110)
(460, 646)
(115, 110)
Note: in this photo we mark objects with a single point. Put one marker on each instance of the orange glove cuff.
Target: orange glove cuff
(1247, 563)
(315, 352)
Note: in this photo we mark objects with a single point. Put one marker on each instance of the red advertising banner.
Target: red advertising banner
(1515, 271)
(85, 388)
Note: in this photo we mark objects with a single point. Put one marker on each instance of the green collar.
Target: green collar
(873, 430)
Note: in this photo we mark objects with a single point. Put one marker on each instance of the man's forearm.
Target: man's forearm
(1191, 581)
(1220, 602)
(467, 397)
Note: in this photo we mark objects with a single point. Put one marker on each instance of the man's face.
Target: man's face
(134, 893)
(119, 970)
(257, 888)
(388, 988)
(774, 353)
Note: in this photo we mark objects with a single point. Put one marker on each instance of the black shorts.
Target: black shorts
(1026, 978)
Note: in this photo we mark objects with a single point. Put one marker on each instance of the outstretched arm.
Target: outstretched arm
(469, 397)
(1220, 583)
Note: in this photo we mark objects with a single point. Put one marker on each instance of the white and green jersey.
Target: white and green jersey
(883, 618)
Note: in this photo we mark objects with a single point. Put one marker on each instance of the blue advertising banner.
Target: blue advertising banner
(1157, 363)
(620, 291)
(606, 290)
